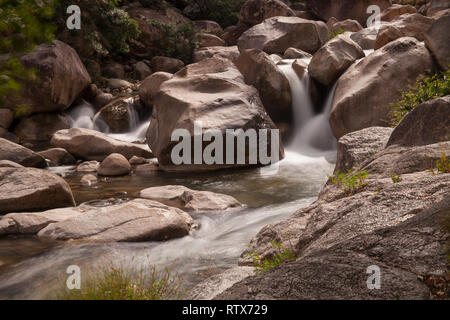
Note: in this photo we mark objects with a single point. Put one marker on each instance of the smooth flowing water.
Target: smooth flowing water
(31, 269)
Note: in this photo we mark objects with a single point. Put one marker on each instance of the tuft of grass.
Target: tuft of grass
(283, 255)
(395, 178)
(350, 182)
(427, 89)
(114, 283)
(335, 33)
(443, 164)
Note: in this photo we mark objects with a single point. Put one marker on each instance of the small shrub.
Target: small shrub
(335, 33)
(350, 182)
(283, 255)
(426, 89)
(443, 164)
(224, 12)
(116, 284)
(395, 178)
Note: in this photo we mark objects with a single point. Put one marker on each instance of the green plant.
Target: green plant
(395, 178)
(335, 33)
(283, 255)
(174, 41)
(429, 88)
(224, 12)
(350, 182)
(443, 164)
(117, 284)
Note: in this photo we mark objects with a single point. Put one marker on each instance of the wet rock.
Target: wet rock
(62, 75)
(41, 127)
(437, 40)
(300, 67)
(88, 180)
(408, 25)
(209, 40)
(188, 199)
(114, 165)
(118, 116)
(215, 285)
(334, 58)
(32, 189)
(424, 125)
(88, 166)
(362, 98)
(230, 53)
(102, 99)
(277, 34)
(92, 145)
(137, 220)
(356, 147)
(166, 64)
(137, 160)
(58, 157)
(150, 86)
(21, 155)
(256, 11)
(261, 72)
(293, 53)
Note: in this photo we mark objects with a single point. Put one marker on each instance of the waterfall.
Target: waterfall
(312, 133)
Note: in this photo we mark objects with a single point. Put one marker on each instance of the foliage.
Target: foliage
(335, 33)
(116, 284)
(224, 12)
(443, 164)
(23, 24)
(283, 255)
(174, 41)
(427, 89)
(395, 178)
(105, 27)
(350, 182)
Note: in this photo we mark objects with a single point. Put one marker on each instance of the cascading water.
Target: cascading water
(312, 134)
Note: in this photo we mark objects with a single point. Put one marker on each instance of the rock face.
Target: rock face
(41, 127)
(114, 165)
(21, 155)
(58, 157)
(334, 58)
(356, 147)
(32, 189)
(256, 11)
(137, 220)
(345, 9)
(211, 91)
(408, 25)
(62, 78)
(396, 10)
(437, 40)
(362, 97)
(383, 224)
(261, 72)
(150, 86)
(230, 53)
(424, 125)
(277, 34)
(92, 145)
(188, 199)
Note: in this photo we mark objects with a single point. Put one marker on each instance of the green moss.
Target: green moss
(350, 182)
(335, 33)
(283, 255)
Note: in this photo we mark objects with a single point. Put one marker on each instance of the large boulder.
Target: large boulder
(425, 124)
(188, 199)
(93, 145)
(261, 72)
(21, 155)
(362, 98)
(396, 10)
(256, 11)
(58, 157)
(345, 9)
(437, 6)
(137, 220)
(166, 64)
(277, 34)
(41, 127)
(208, 26)
(32, 189)
(114, 165)
(408, 25)
(62, 77)
(209, 40)
(336, 56)
(211, 92)
(150, 86)
(437, 40)
(233, 33)
(230, 53)
(118, 116)
(365, 38)
(346, 25)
